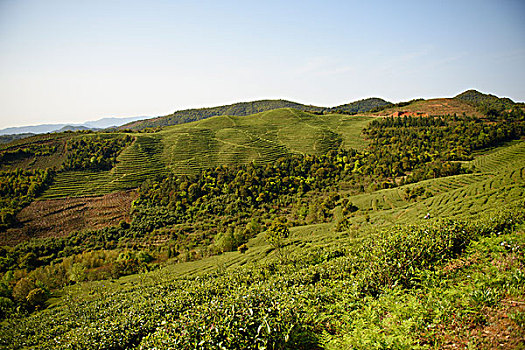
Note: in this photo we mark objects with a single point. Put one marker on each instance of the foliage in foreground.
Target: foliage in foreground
(407, 287)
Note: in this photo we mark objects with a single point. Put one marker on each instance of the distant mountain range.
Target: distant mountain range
(90, 125)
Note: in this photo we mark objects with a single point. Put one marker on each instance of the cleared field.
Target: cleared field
(436, 106)
(59, 217)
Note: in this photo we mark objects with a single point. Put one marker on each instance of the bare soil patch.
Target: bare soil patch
(433, 107)
(59, 217)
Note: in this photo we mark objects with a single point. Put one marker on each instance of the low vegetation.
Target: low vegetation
(249, 108)
(272, 231)
(408, 283)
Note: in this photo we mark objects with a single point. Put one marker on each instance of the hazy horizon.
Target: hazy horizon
(72, 62)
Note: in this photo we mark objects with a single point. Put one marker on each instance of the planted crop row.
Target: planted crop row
(506, 157)
(135, 164)
(298, 303)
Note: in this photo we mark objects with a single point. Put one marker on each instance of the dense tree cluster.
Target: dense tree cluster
(428, 147)
(17, 189)
(26, 151)
(225, 199)
(94, 153)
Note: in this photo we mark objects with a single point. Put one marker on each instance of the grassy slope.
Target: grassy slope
(236, 109)
(263, 137)
(249, 108)
(188, 148)
(499, 180)
(392, 318)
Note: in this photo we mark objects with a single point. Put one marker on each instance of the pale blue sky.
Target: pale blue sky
(72, 61)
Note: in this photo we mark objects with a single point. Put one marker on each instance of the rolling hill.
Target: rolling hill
(477, 98)
(313, 278)
(248, 108)
(467, 102)
(220, 140)
(278, 229)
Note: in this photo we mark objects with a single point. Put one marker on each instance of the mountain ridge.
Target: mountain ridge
(252, 107)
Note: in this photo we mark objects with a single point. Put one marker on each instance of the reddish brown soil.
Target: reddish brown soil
(437, 106)
(59, 217)
(498, 331)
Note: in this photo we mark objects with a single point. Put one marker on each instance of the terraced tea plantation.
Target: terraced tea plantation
(262, 137)
(221, 140)
(498, 160)
(498, 181)
(269, 232)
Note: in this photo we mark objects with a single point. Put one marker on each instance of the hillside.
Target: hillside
(314, 282)
(282, 229)
(437, 106)
(478, 98)
(470, 102)
(220, 140)
(237, 109)
(248, 108)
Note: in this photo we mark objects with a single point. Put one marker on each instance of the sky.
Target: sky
(64, 61)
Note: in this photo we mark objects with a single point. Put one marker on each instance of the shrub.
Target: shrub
(36, 297)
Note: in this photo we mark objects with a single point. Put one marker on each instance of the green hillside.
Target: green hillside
(283, 229)
(490, 105)
(263, 138)
(249, 108)
(362, 106)
(498, 181)
(217, 141)
(478, 98)
(400, 291)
